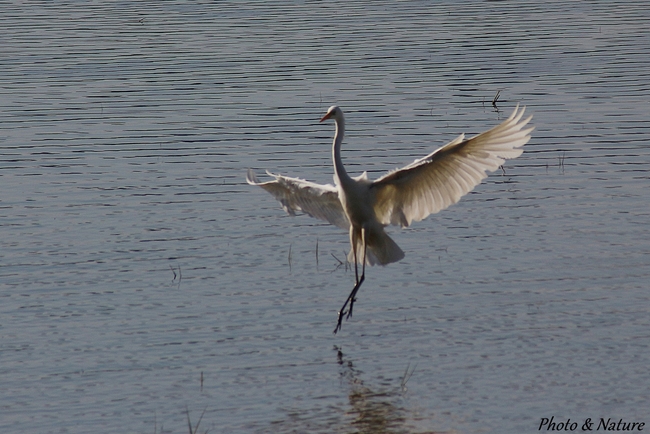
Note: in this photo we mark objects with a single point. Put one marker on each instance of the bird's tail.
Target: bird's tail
(381, 248)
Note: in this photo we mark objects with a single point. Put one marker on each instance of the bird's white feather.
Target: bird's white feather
(440, 179)
(319, 201)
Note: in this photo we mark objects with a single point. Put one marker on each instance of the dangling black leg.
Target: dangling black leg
(350, 300)
(342, 312)
(353, 294)
(352, 297)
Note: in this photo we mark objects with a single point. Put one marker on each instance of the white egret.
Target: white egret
(426, 186)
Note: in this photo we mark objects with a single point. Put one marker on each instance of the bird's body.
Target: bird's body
(424, 187)
(358, 201)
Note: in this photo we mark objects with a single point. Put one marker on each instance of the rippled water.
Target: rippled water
(141, 279)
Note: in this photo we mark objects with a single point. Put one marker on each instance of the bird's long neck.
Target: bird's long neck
(339, 170)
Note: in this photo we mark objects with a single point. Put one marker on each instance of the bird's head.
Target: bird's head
(333, 112)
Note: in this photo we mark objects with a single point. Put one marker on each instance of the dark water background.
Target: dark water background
(140, 277)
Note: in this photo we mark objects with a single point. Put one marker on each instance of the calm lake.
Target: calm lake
(142, 280)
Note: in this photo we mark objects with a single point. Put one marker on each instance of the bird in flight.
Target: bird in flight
(426, 186)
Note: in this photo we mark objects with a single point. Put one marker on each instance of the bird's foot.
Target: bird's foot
(340, 320)
(349, 313)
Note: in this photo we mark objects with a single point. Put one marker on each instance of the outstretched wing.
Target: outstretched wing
(320, 201)
(440, 179)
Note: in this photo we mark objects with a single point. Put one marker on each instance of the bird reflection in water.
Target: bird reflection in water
(376, 411)
(366, 409)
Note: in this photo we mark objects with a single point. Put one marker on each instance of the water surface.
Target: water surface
(141, 278)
